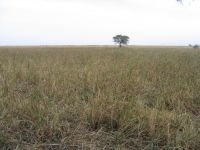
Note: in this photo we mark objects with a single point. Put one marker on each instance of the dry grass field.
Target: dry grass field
(99, 98)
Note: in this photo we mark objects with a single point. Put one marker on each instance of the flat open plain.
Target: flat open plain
(99, 97)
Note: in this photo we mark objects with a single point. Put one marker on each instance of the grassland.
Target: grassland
(99, 98)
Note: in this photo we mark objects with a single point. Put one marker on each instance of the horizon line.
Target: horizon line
(92, 45)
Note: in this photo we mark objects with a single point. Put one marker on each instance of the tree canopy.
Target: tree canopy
(121, 39)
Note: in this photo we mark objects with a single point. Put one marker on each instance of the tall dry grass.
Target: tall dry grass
(99, 98)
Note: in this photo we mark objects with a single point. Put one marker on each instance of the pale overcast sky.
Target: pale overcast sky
(90, 22)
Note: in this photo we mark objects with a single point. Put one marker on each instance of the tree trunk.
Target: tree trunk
(120, 45)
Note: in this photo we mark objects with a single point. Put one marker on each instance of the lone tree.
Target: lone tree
(121, 40)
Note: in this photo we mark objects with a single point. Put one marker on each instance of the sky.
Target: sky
(95, 22)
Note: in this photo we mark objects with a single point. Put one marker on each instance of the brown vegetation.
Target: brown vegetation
(99, 98)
